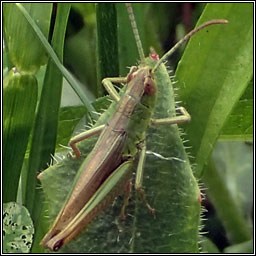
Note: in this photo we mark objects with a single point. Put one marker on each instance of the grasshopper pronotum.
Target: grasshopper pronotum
(121, 143)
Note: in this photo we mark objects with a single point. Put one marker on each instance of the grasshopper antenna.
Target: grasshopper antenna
(135, 31)
(185, 38)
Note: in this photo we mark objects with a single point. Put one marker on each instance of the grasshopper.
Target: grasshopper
(120, 147)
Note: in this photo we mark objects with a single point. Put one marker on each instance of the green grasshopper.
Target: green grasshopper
(120, 147)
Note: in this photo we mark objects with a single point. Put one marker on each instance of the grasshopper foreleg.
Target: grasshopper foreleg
(83, 136)
(184, 117)
(108, 84)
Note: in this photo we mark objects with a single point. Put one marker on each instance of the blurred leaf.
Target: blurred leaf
(207, 246)
(19, 35)
(7, 65)
(245, 247)
(87, 10)
(212, 75)
(80, 57)
(107, 43)
(160, 19)
(238, 229)
(72, 81)
(230, 188)
(234, 162)
(80, 50)
(239, 125)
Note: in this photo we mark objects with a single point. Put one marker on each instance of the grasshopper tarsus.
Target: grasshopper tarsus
(76, 152)
(122, 214)
(142, 193)
(185, 114)
(152, 211)
(127, 196)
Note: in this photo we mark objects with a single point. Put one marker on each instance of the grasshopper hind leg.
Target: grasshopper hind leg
(108, 84)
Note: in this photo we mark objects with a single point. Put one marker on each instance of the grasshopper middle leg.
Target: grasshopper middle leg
(183, 118)
(138, 183)
(139, 177)
(108, 84)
